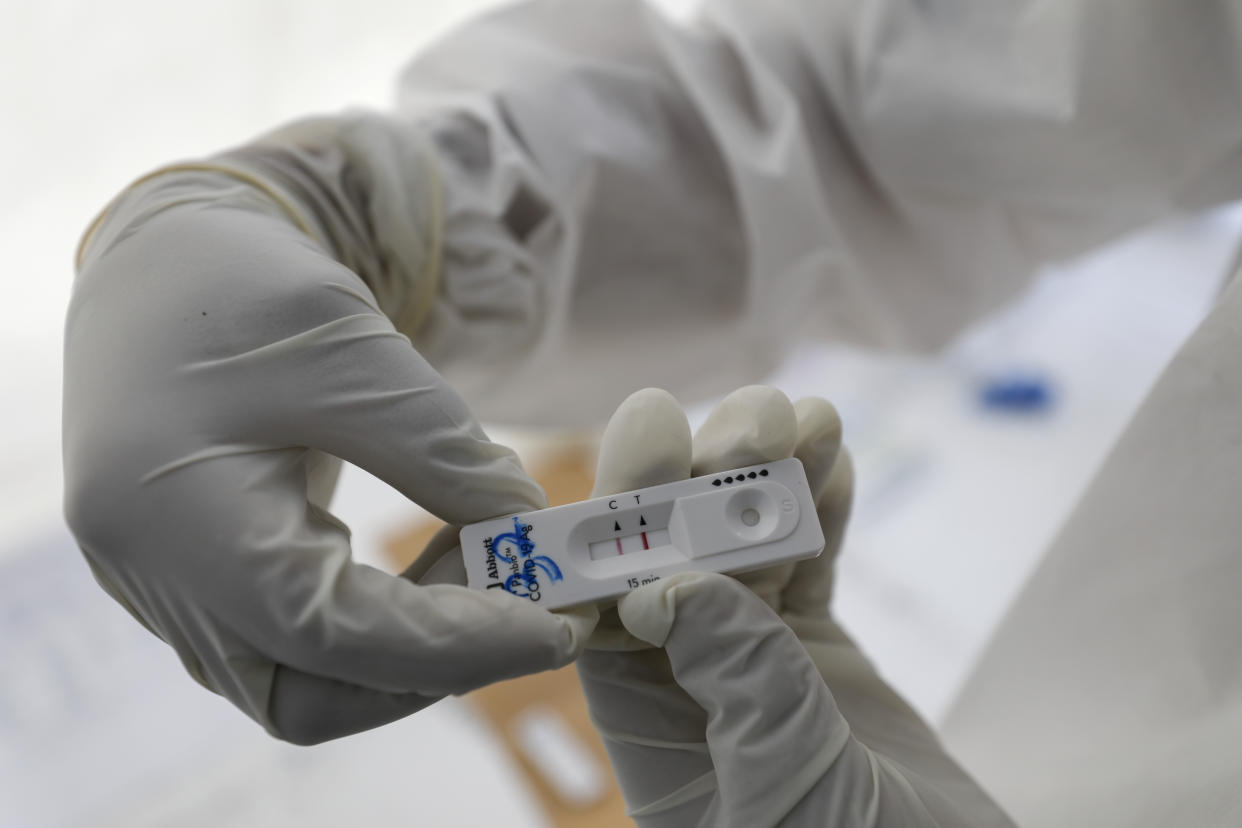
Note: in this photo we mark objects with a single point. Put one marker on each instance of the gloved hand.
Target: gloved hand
(218, 356)
(757, 710)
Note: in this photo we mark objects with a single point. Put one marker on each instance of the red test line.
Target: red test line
(645, 546)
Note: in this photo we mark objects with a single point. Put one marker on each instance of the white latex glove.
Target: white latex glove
(217, 359)
(757, 712)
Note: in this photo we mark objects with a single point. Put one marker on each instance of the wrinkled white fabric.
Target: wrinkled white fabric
(630, 199)
(757, 710)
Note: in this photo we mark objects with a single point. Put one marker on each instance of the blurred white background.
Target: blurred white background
(98, 724)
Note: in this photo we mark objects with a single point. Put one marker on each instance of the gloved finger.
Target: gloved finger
(754, 424)
(653, 731)
(773, 728)
(818, 441)
(305, 709)
(646, 443)
(809, 592)
(281, 580)
(830, 476)
(440, 562)
(342, 380)
(322, 473)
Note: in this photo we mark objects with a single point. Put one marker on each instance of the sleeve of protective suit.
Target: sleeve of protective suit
(753, 708)
(235, 327)
(985, 139)
(634, 197)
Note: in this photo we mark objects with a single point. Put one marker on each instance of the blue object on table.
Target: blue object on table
(1022, 394)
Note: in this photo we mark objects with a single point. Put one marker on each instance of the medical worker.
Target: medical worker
(572, 200)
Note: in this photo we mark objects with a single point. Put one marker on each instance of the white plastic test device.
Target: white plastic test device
(601, 548)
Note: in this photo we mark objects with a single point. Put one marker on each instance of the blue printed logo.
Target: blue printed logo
(524, 567)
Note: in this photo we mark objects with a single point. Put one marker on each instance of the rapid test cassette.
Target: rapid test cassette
(601, 548)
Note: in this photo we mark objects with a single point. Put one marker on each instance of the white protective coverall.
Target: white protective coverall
(577, 199)
(884, 172)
